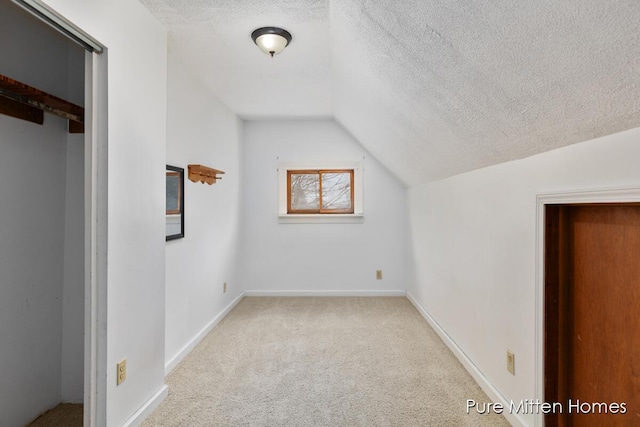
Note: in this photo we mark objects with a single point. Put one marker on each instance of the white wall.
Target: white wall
(318, 257)
(72, 374)
(474, 242)
(137, 82)
(32, 178)
(72, 345)
(36, 255)
(201, 130)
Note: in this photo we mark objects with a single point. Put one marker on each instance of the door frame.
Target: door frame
(603, 195)
(96, 228)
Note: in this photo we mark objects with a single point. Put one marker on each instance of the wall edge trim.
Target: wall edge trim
(148, 407)
(186, 349)
(468, 364)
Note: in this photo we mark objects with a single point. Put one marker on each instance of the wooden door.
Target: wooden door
(592, 314)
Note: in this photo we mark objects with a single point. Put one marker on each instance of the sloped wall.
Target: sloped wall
(474, 243)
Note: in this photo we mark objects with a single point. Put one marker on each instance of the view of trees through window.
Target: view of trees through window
(320, 191)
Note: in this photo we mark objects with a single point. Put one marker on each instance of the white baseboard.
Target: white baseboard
(148, 407)
(175, 360)
(477, 375)
(325, 293)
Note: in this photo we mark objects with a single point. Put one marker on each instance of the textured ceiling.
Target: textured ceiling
(432, 88)
(214, 38)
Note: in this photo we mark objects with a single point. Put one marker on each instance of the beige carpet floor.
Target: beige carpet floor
(321, 362)
(63, 415)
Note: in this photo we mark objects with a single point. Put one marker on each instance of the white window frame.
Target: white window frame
(358, 195)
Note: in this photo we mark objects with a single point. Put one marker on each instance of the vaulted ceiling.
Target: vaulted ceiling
(430, 88)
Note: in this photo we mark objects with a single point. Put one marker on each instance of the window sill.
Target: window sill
(321, 219)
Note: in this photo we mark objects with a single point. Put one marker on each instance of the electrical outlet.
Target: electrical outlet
(122, 371)
(511, 362)
(379, 274)
(224, 287)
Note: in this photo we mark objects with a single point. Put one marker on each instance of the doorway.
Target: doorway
(592, 313)
(53, 234)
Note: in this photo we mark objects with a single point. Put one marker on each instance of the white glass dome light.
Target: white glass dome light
(271, 40)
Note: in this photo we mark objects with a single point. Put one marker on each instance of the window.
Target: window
(320, 191)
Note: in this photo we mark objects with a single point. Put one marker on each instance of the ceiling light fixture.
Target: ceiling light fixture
(271, 40)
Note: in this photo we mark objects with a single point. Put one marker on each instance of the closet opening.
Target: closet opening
(52, 192)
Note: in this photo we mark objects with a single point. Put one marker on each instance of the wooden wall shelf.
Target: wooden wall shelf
(199, 173)
(28, 103)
